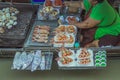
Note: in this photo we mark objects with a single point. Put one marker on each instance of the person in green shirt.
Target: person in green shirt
(102, 21)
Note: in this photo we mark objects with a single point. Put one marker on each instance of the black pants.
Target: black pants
(109, 40)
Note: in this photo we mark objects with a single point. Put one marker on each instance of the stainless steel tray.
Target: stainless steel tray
(52, 24)
(9, 52)
(48, 61)
(85, 67)
(24, 19)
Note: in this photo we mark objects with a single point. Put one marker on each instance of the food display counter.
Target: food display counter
(33, 34)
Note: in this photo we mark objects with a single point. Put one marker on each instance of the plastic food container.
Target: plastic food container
(48, 13)
(101, 59)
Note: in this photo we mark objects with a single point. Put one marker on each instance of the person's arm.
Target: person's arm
(88, 23)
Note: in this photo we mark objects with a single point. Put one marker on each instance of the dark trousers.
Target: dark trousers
(109, 40)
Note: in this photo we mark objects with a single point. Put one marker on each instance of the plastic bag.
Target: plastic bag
(42, 64)
(16, 61)
(29, 60)
(36, 60)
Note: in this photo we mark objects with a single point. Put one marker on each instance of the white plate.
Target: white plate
(68, 26)
(74, 28)
(70, 44)
(71, 17)
(79, 51)
(85, 65)
(64, 44)
(71, 64)
(73, 54)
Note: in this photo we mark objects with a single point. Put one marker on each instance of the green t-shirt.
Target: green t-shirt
(110, 19)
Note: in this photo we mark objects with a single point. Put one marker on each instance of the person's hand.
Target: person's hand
(72, 22)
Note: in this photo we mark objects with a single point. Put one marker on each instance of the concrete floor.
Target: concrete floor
(112, 72)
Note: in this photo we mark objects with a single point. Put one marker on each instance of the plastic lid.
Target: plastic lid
(97, 61)
(103, 60)
(97, 56)
(97, 64)
(103, 55)
(77, 45)
(103, 64)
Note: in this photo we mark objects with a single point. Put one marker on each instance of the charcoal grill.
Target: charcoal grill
(16, 36)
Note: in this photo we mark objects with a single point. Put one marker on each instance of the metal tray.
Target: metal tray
(85, 67)
(52, 24)
(11, 43)
(39, 17)
(16, 36)
(48, 61)
(24, 19)
(9, 52)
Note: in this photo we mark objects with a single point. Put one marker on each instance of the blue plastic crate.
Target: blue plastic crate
(37, 1)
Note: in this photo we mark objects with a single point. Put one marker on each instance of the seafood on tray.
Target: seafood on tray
(8, 17)
(48, 3)
(66, 61)
(61, 28)
(66, 29)
(61, 38)
(84, 61)
(54, 14)
(68, 58)
(58, 3)
(40, 34)
(48, 9)
(64, 52)
(85, 57)
(64, 38)
(49, 13)
(71, 29)
(72, 18)
(84, 53)
(55, 3)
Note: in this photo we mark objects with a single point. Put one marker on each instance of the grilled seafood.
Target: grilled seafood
(41, 39)
(61, 37)
(54, 13)
(61, 28)
(65, 52)
(71, 40)
(48, 9)
(66, 60)
(48, 3)
(84, 53)
(70, 29)
(8, 17)
(58, 3)
(40, 34)
(69, 18)
(85, 61)
(42, 27)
